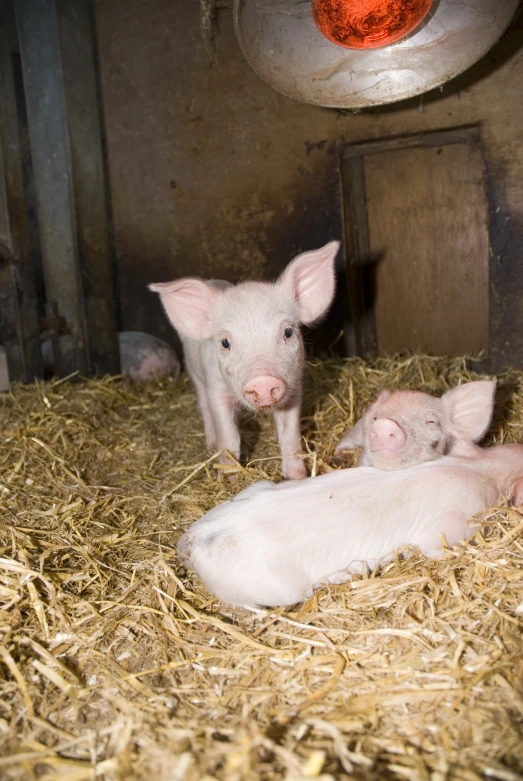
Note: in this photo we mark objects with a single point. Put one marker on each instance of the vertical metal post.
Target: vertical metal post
(56, 47)
(77, 41)
(46, 111)
(19, 323)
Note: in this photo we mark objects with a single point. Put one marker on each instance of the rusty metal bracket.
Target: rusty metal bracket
(53, 325)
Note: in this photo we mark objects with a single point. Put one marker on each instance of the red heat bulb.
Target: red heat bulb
(367, 24)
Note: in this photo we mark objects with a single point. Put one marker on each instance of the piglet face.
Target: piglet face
(405, 428)
(256, 335)
(254, 326)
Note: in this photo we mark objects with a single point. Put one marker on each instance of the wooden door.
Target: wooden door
(426, 217)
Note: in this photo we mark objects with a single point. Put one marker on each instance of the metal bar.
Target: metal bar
(77, 42)
(42, 67)
(18, 288)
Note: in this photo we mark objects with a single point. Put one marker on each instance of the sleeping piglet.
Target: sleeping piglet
(242, 345)
(142, 357)
(409, 427)
(275, 542)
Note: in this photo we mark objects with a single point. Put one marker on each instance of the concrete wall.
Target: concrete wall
(213, 173)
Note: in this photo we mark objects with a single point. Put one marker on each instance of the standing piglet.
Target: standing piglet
(242, 345)
(408, 427)
(275, 542)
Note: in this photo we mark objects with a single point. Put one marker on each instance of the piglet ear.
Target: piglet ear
(469, 409)
(384, 395)
(352, 439)
(355, 437)
(309, 280)
(188, 304)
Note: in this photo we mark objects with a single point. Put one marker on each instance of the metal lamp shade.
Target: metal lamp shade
(286, 49)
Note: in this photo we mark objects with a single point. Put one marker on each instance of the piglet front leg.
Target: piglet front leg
(203, 403)
(289, 438)
(222, 407)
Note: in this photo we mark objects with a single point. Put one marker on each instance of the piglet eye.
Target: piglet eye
(430, 421)
(226, 344)
(288, 333)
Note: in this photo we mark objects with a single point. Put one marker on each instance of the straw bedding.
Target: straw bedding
(115, 663)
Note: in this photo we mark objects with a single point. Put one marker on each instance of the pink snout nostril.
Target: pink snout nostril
(386, 435)
(264, 391)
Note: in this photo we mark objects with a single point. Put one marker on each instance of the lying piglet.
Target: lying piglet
(274, 543)
(409, 427)
(243, 345)
(142, 357)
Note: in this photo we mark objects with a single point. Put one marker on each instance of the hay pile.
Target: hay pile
(116, 664)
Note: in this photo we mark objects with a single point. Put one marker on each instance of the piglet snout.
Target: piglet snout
(264, 391)
(386, 434)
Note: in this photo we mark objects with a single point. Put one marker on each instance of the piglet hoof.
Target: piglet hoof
(345, 458)
(226, 469)
(517, 493)
(227, 466)
(295, 470)
(339, 460)
(228, 460)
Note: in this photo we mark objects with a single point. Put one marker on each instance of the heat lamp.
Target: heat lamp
(367, 24)
(357, 53)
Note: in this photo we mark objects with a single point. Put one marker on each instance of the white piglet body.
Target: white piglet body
(273, 543)
(243, 346)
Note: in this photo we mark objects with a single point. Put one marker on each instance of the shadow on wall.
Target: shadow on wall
(255, 239)
(506, 249)
(305, 217)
